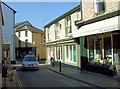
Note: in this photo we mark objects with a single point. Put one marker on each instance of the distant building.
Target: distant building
(8, 33)
(29, 39)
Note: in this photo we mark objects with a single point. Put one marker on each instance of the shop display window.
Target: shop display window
(107, 49)
(91, 48)
(70, 53)
(116, 46)
(98, 43)
(100, 49)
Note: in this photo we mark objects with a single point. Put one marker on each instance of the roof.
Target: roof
(64, 15)
(1, 13)
(35, 30)
(20, 26)
(20, 23)
(30, 28)
(9, 7)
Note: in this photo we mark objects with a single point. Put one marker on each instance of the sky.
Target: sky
(40, 13)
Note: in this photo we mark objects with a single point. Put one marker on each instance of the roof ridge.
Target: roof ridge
(19, 23)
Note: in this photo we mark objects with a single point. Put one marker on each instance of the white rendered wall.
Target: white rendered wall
(23, 37)
(8, 29)
(75, 16)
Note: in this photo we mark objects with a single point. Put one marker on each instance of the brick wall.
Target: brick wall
(88, 8)
(112, 6)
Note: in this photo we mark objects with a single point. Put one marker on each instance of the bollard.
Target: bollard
(60, 67)
(53, 63)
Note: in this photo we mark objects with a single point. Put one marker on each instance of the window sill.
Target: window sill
(99, 13)
(69, 36)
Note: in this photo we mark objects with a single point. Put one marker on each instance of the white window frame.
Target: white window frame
(48, 33)
(57, 28)
(68, 59)
(96, 5)
(68, 28)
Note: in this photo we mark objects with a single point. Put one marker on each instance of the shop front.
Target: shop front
(104, 49)
(100, 45)
(64, 51)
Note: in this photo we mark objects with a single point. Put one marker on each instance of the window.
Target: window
(116, 46)
(104, 48)
(26, 43)
(60, 26)
(48, 32)
(26, 33)
(91, 48)
(99, 7)
(19, 43)
(107, 47)
(78, 15)
(19, 34)
(98, 43)
(59, 53)
(57, 28)
(70, 52)
(68, 25)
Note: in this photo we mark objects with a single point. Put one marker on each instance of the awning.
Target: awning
(103, 26)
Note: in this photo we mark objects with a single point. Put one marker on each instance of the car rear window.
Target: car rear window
(29, 59)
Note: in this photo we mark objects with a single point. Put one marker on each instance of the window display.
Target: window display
(70, 52)
(98, 42)
(91, 48)
(116, 46)
(107, 48)
(100, 48)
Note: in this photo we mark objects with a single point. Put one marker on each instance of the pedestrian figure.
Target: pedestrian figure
(12, 74)
(52, 59)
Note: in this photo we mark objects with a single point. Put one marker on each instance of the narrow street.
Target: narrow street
(46, 78)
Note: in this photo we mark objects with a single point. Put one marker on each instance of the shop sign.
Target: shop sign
(109, 29)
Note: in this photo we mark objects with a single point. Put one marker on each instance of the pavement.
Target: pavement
(5, 83)
(94, 79)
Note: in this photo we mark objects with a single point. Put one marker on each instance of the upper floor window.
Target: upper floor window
(78, 14)
(99, 7)
(19, 43)
(26, 33)
(48, 33)
(68, 25)
(26, 43)
(57, 28)
(19, 34)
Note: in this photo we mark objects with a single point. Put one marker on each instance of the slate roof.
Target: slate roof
(20, 23)
(29, 27)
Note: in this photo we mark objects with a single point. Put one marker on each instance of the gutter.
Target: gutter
(98, 18)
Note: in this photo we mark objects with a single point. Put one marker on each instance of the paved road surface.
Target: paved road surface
(47, 78)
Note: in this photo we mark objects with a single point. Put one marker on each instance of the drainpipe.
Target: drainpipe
(81, 10)
(1, 43)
